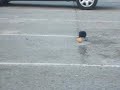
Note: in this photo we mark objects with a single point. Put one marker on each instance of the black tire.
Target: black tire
(3, 2)
(82, 4)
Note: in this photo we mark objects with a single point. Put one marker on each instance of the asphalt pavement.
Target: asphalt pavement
(38, 48)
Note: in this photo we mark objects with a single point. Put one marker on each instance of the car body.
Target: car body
(82, 4)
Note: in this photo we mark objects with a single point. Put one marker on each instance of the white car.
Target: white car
(82, 4)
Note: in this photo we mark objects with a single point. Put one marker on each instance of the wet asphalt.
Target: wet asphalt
(45, 33)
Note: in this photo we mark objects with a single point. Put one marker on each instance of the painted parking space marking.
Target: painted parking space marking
(60, 64)
(36, 35)
(49, 35)
(60, 20)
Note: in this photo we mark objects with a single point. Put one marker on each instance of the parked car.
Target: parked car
(82, 4)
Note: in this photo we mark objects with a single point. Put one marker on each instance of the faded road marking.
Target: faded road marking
(36, 35)
(60, 64)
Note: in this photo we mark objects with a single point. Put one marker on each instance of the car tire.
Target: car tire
(3, 2)
(86, 4)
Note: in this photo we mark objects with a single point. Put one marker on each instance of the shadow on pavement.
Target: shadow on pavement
(107, 8)
(42, 6)
(59, 6)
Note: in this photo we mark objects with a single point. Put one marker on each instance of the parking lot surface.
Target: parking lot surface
(38, 48)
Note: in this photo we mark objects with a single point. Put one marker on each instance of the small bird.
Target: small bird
(81, 37)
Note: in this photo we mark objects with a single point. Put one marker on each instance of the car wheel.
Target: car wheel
(87, 4)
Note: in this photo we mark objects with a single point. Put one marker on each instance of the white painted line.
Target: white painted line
(36, 35)
(40, 35)
(60, 64)
(4, 18)
(25, 19)
(94, 21)
(58, 20)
